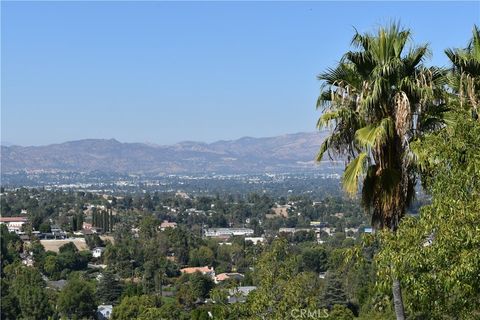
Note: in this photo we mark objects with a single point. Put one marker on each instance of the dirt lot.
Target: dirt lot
(107, 238)
(54, 245)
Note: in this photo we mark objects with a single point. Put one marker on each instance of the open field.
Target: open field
(107, 238)
(54, 245)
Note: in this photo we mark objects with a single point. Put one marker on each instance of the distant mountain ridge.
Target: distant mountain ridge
(245, 155)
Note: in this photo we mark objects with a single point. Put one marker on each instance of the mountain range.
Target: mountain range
(290, 152)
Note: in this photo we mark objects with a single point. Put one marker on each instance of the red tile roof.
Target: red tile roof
(195, 269)
(13, 219)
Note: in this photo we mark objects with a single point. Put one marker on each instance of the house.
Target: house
(14, 224)
(293, 230)
(286, 230)
(228, 232)
(328, 230)
(86, 226)
(351, 230)
(239, 294)
(203, 270)
(27, 259)
(368, 230)
(228, 276)
(57, 232)
(57, 285)
(339, 215)
(195, 212)
(166, 224)
(104, 311)
(318, 224)
(97, 252)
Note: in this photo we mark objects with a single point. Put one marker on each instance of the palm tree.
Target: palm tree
(465, 72)
(377, 100)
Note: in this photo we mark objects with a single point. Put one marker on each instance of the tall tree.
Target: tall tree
(378, 99)
(76, 300)
(27, 288)
(437, 253)
(333, 293)
(465, 73)
(109, 289)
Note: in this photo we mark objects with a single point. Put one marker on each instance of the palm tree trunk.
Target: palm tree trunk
(397, 299)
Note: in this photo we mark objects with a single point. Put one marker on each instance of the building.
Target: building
(14, 224)
(57, 285)
(104, 311)
(86, 226)
(228, 232)
(27, 259)
(228, 276)
(166, 224)
(203, 270)
(239, 294)
(368, 230)
(97, 252)
(318, 224)
(293, 230)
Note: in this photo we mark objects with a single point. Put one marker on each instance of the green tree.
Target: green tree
(340, 312)
(109, 289)
(133, 307)
(77, 299)
(378, 99)
(437, 254)
(10, 308)
(51, 267)
(465, 73)
(28, 289)
(11, 245)
(333, 293)
(193, 287)
(203, 256)
(280, 289)
(94, 241)
(314, 259)
(45, 227)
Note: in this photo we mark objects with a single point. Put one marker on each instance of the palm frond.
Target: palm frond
(375, 134)
(355, 169)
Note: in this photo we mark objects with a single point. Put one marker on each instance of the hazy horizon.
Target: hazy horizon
(12, 143)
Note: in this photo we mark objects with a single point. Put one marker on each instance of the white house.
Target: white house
(228, 232)
(14, 224)
(97, 252)
(104, 311)
(239, 294)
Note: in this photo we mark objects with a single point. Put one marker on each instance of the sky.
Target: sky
(164, 72)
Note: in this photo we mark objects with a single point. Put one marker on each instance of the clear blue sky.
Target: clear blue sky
(164, 72)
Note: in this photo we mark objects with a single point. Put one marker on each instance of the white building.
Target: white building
(104, 311)
(228, 232)
(14, 224)
(97, 252)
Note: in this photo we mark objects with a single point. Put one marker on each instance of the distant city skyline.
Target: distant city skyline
(165, 72)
